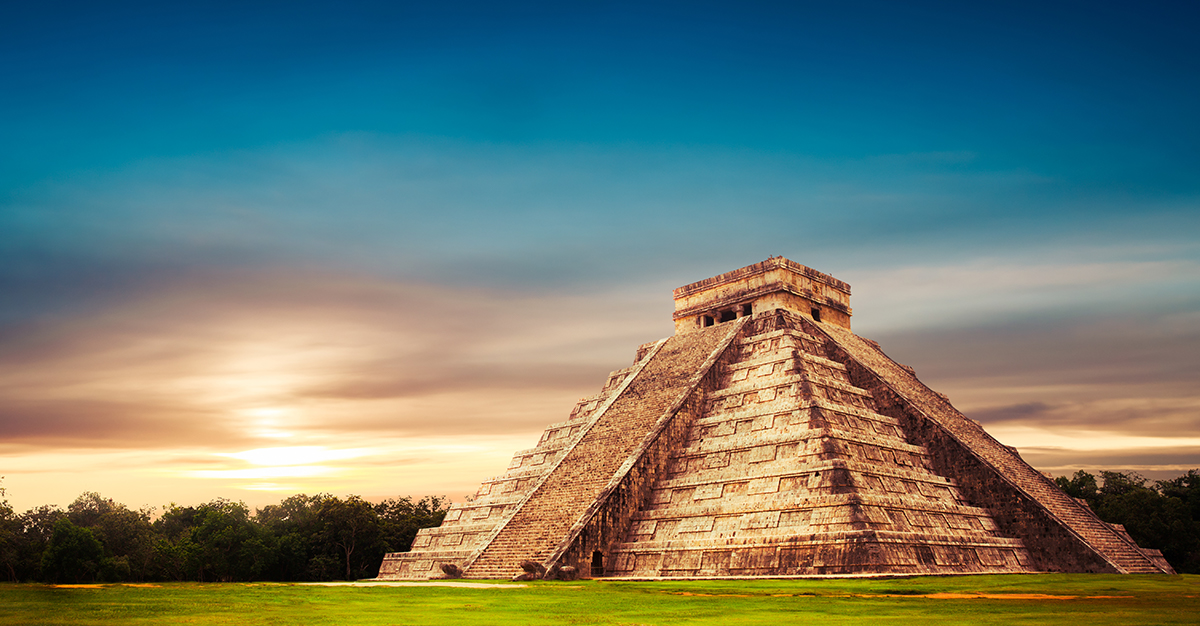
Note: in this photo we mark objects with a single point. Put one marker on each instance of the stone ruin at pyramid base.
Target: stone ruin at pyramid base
(765, 439)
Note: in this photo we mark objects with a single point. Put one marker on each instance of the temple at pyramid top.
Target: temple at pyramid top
(764, 439)
(776, 283)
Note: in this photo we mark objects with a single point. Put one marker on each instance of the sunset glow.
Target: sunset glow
(375, 248)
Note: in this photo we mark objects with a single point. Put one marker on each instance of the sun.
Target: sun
(294, 455)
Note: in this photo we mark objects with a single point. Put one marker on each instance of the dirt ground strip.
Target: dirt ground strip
(432, 583)
(331, 584)
(470, 585)
(934, 596)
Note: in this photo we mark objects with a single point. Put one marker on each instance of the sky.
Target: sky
(249, 250)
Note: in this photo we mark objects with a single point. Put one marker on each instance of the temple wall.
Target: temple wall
(776, 283)
(611, 522)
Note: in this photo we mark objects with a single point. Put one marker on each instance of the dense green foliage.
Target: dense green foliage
(1164, 515)
(303, 538)
(1002, 600)
(322, 537)
(74, 554)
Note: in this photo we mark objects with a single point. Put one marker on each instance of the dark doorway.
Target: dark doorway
(727, 316)
(597, 564)
(816, 313)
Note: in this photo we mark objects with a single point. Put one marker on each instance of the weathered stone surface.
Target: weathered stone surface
(776, 283)
(766, 439)
(565, 572)
(533, 567)
(468, 524)
(790, 470)
(553, 513)
(1061, 534)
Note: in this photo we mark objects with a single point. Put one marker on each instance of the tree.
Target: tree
(74, 553)
(317, 537)
(1082, 486)
(402, 518)
(1152, 519)
(1163, 516)
(37, 528)
(348, 524)
(1184, 550)
(173, 548)
(10, 536)
(127, 536)
(1186, 488)
(227, 545)
(295, 525)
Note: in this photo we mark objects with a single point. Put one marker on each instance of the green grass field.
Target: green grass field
(1033, 599)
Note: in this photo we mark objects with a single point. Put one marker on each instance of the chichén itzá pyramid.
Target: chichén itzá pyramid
(766, 439)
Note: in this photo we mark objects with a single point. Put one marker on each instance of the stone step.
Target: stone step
(545, 517)
(1081, 521)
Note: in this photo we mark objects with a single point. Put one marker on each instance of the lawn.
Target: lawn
(1014, 599)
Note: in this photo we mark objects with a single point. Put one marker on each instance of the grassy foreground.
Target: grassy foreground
(1031, 599)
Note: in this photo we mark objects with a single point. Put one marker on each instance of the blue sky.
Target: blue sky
(353, 219)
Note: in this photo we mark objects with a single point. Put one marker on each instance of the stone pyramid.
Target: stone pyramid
(766, 439)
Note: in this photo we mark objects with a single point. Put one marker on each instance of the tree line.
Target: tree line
(1164, 515)
(322, 537)
(303, 538)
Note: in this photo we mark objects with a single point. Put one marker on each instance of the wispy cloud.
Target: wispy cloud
(233, 374)
(207, 357)
(1157, 462)
(990, 290)
(384, 374)
(1163, 417)
(1106, 388)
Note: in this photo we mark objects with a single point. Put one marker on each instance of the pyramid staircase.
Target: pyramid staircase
(536, 510)
(791, 471)
(468, 526)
